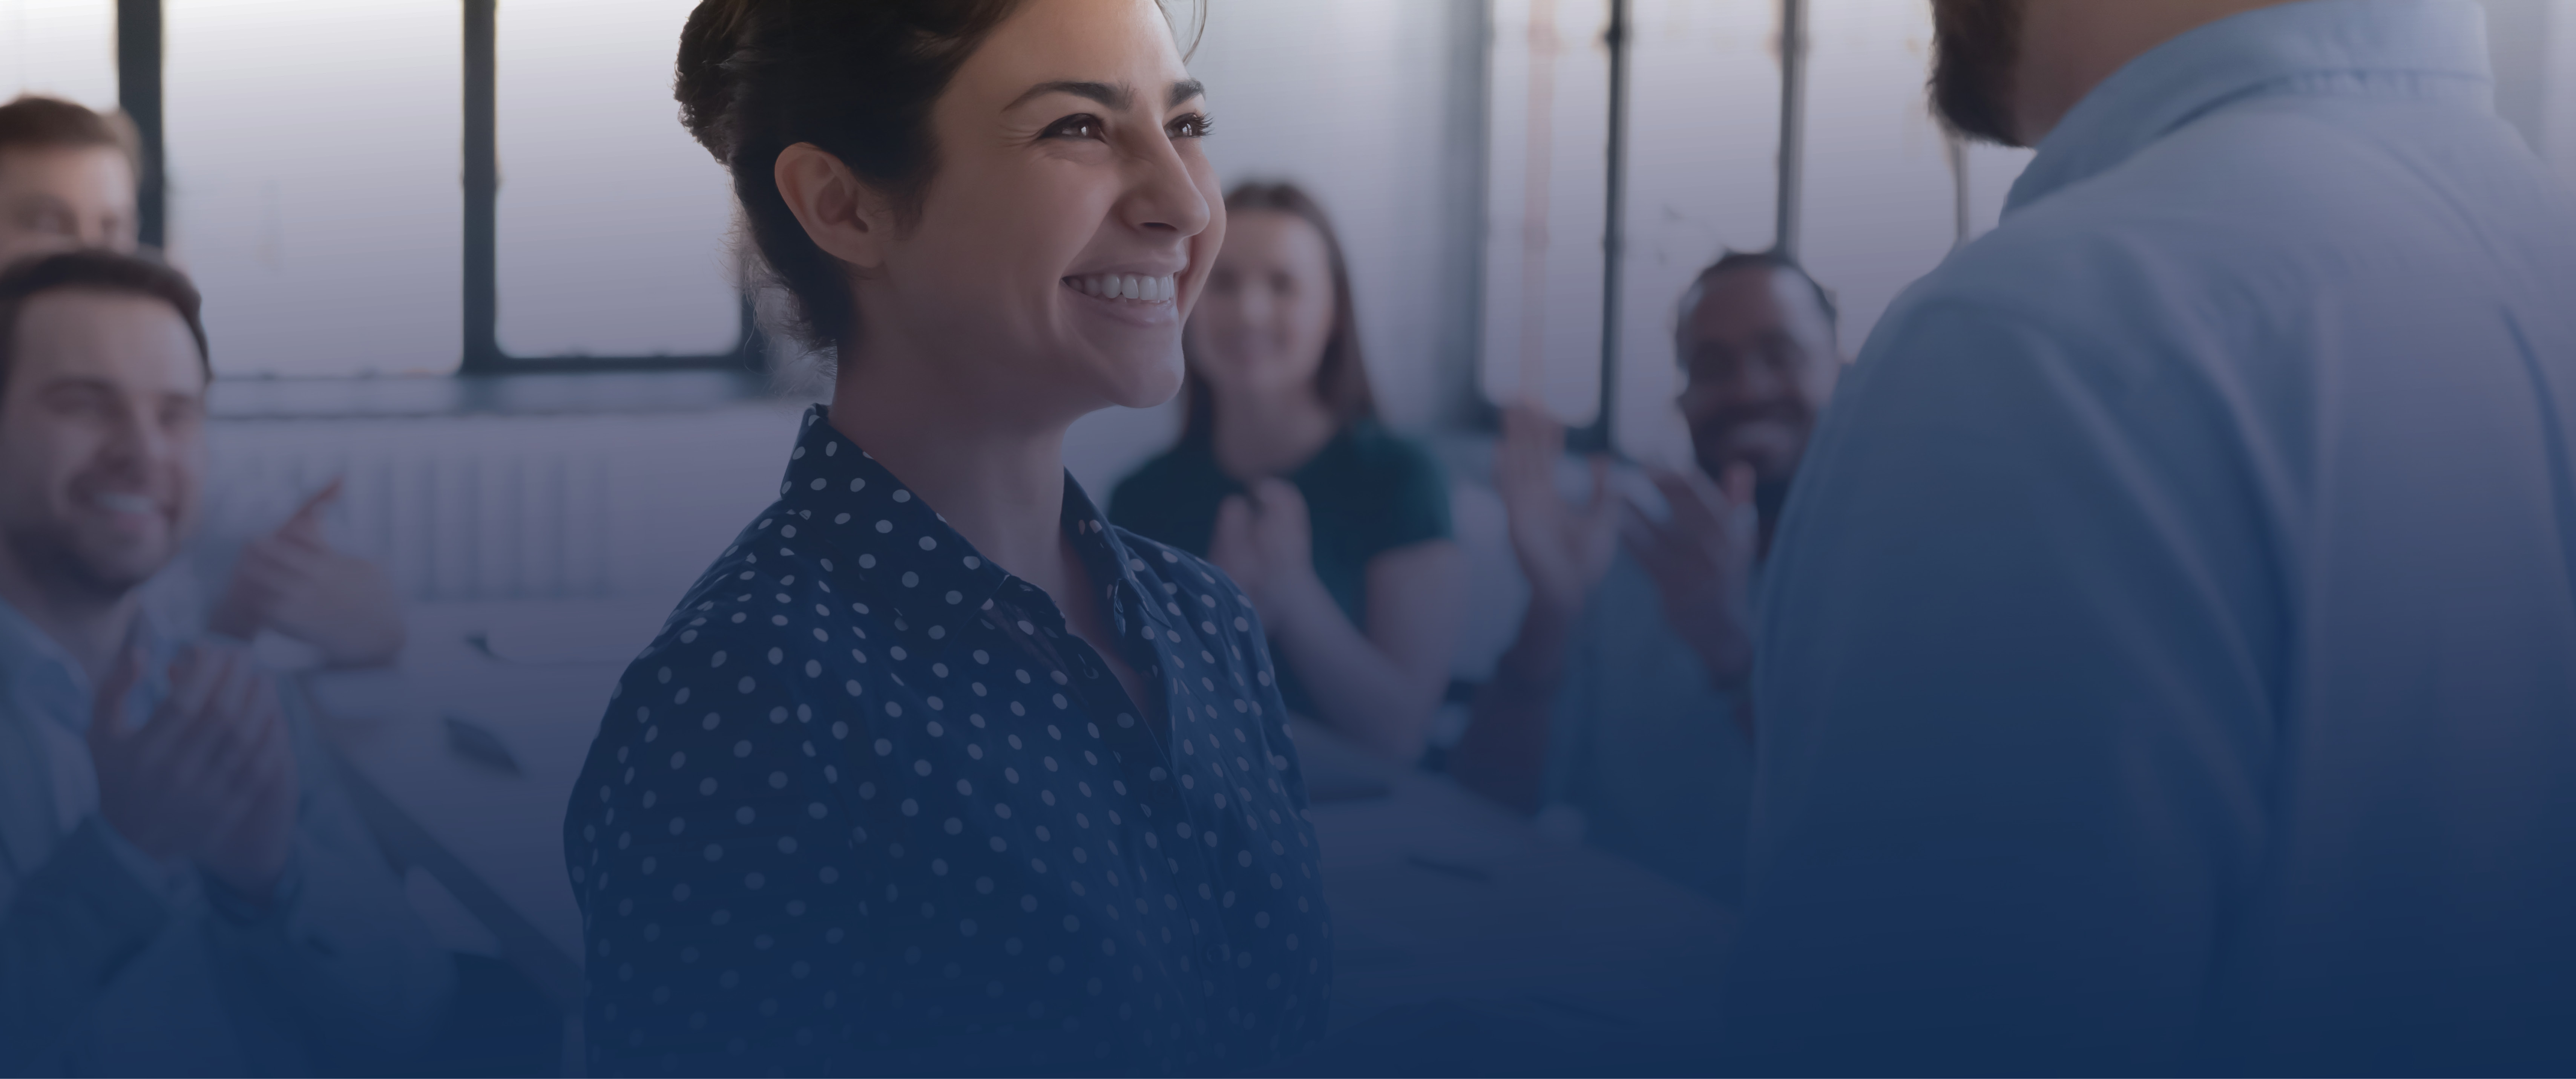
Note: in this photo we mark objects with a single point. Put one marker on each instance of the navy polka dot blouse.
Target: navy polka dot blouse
(867, 805)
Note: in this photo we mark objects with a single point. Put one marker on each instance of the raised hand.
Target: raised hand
(1264, 539)
(1564, 546)
(202, 780)
(291, 581)
(1235, 549)
(1701, 558)
(249, 846)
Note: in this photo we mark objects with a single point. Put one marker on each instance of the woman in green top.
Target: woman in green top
(1337, 529)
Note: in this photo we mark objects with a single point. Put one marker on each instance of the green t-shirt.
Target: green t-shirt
(1368, 491)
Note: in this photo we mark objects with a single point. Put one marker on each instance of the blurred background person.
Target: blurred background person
(2169, 665)
(1622, 700)
(67, 180)
(183, 888)
(1337, 528)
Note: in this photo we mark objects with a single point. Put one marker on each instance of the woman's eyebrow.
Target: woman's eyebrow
(1114, 95)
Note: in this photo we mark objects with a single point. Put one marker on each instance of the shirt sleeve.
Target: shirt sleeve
(2014, 700)
(340, 947)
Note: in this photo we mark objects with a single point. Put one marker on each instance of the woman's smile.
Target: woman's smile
(1139, 299)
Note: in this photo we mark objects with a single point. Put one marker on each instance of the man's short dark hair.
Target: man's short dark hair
(93, 270)
(1775, 261)
(51, 123)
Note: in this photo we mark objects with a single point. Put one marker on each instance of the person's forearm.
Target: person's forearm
(1503, 755)
(1358, 689)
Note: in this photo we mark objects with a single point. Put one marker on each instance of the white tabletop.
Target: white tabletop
(1437, 895)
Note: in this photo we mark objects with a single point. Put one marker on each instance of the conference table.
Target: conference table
(463, 756)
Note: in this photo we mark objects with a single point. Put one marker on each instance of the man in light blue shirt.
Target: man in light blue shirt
(2170, 663)
(183, 890)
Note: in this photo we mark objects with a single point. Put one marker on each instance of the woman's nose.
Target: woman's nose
(1165, 197)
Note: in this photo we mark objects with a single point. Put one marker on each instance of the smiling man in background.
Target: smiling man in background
(67, 180)
(2170, 660)
(183, 890)
(1621, 704)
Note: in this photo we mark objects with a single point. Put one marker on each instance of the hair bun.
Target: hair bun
(707, 84)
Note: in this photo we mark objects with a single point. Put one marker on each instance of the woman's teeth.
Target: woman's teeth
(1117, 286)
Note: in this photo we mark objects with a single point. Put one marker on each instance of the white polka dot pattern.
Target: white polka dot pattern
(868, 806)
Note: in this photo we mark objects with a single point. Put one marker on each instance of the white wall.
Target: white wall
(544, 506)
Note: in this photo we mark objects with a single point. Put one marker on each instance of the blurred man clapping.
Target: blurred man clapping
(67, 181)
(1622, 702)
(183, 890)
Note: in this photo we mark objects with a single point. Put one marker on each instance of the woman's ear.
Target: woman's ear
(842, 214)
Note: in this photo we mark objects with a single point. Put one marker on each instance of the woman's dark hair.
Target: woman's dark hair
(93, 270)
(1341, 380)
(854, 77)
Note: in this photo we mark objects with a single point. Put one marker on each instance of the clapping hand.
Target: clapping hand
(210, 779)
(1564, 546)
(1701, 557)
(292, 581)
(1264, 541)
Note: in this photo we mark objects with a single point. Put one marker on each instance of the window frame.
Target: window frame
(140, 49)
(139, 56)
(1618, 36)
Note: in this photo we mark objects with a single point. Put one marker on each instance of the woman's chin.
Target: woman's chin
(1147, 381)
(1128, 369)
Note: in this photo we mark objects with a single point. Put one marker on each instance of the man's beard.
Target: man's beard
(1976, 45)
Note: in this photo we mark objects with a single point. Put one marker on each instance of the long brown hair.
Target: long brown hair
(1341, 380)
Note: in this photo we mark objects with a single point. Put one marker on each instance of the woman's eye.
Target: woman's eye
(1192, 126)
(1078, 127)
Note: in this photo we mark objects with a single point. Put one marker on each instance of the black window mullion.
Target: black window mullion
(1614, 232)
(138, 92)
(483, 353)
(482, 194)
(1793, 127)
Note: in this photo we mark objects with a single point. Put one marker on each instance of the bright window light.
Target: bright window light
(315, 156)
(59, 48)
(1546, 201)
(1882, 205)
(1703, 178)
(614, 224)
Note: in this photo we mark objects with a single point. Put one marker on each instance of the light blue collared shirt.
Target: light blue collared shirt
(174, 976)
(1645, 747)
(47, 692)
(2169, 657)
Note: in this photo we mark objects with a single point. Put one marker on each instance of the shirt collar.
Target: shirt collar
(2412, 48)
(893, 540)
(30, 658)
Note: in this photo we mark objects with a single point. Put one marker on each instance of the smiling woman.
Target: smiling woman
(934, 771)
